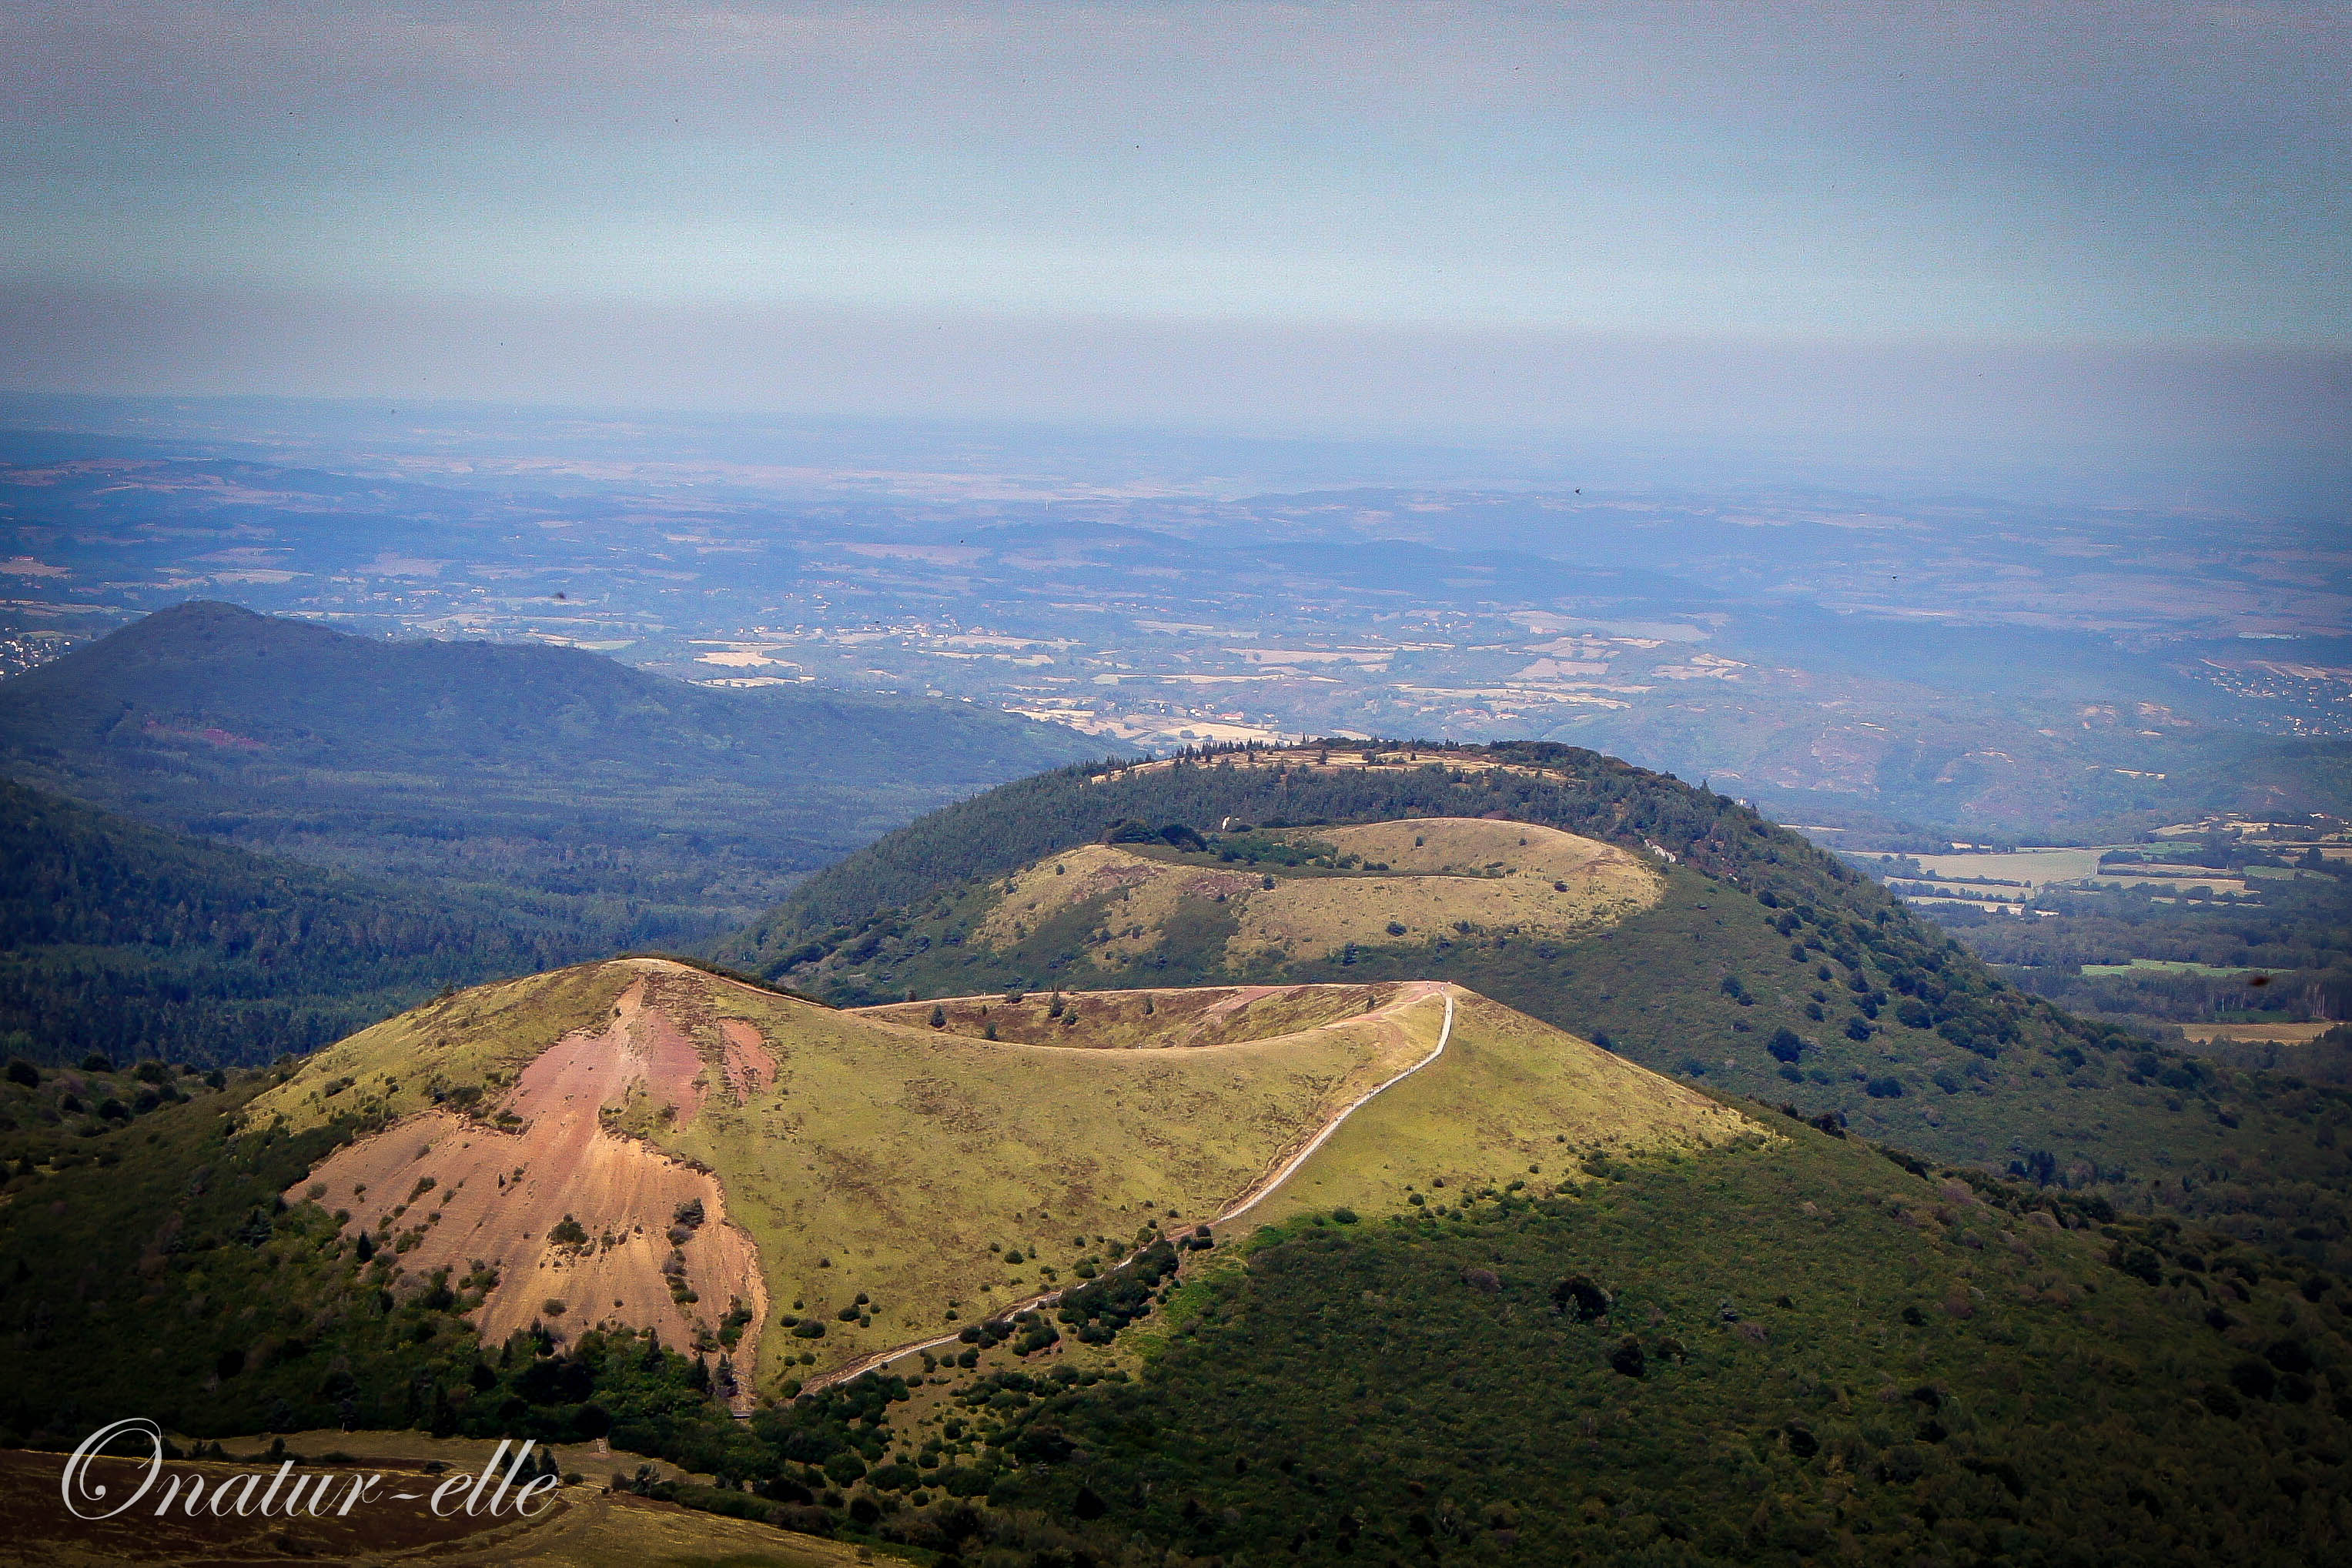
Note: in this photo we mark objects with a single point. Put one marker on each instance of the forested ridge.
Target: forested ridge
(656, 810)
(122, 940)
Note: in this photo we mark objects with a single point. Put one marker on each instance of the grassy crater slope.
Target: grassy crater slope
(646, 807)
(1323, 891)
(893, 1174)
(1760, 965)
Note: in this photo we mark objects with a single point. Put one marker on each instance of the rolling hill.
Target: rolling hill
(652, 809)
(1704, 943)
(1250, 1274)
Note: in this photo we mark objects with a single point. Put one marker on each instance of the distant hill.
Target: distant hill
(125, 941)
(1758, 965)
(653, 807)
(1346, 1272)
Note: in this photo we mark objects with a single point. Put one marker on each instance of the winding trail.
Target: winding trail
(1255, 1193)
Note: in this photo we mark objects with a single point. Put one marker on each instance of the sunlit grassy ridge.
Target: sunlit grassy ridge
(1512, 1104)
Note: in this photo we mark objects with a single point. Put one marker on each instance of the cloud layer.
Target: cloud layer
(2050, 180)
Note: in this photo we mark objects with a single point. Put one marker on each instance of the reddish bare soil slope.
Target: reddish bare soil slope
(501, 1197)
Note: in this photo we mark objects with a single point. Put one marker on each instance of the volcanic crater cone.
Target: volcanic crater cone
(801, 1189)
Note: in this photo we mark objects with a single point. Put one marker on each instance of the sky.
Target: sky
(1866, 222)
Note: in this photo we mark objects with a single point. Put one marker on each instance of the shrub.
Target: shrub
(1787, 1045)
(2289, 1355)
(22, 1072)
(1884, 1088)
(2253, 1378)
(1628, 1360)
(1581, 1296)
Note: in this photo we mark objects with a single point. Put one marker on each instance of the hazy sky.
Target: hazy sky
(804, 205)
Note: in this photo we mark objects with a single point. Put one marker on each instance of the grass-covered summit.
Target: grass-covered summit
(1757, 965)
(861, 1180)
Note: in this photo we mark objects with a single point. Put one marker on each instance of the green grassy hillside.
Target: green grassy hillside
(1486, 1321)
(127, 942)
(1766, 968)
(651, 806)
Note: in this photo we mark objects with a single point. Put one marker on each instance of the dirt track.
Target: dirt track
(1411, 995)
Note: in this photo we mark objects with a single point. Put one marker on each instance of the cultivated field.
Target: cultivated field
(2257, 1033)
(2032, 868)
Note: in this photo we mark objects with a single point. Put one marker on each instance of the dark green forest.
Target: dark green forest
(649, 807)
(1770, 970)
(1763, 1356)
(132, 943)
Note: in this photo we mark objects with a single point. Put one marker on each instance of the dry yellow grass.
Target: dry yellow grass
(1494, 875)
(913, 1165)
(1501, 876)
